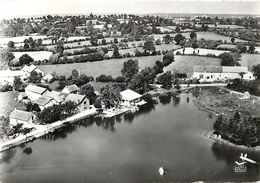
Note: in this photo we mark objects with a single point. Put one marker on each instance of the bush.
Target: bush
(6, 88)
(104, 78)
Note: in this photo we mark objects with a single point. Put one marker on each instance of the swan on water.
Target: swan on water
(161, 170)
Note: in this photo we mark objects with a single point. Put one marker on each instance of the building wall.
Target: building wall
(210, 77)
(84, 105)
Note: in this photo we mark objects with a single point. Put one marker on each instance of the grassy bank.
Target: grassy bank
(220, 100)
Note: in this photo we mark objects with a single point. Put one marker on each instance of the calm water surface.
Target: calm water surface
(130, 148)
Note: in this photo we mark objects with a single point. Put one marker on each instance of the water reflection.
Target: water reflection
(165, 99)
(7, 155)
(176, 100)
(27, 151)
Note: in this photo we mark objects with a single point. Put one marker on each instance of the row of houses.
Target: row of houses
(44, 98)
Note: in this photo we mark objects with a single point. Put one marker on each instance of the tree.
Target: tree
(110, 96)
(115, 40)
(140, 82)
(256, 70)
(167, 39)
(227, 59)
(168, 58)
(10, 44)
(177, 29)
(25, 59)
(6, 56)
(193, 35)
(251, 49)
(88, 90)
(178, 38)
(98, 103)
(158, 42)
(39, 42)
(194, 45)
(35, 77)
(149, 45)
(158, 67)
(232, 40)
(104, 42)
(74, 74)
(18, 84)
(94, 41)
(130, 68)
(166, 79)
(116, 53)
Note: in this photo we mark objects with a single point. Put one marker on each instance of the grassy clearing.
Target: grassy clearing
(36, 55)
(185, 63)
(109, 67)
(250, 60)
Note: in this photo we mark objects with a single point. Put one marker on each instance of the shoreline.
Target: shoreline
(45, 129)
(213, 137)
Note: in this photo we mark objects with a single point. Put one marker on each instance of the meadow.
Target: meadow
(185, 64)
(111, 67)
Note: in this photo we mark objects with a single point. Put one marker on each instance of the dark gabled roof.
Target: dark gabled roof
(21, 115)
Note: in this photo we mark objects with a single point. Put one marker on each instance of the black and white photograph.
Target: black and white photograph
(129, 91)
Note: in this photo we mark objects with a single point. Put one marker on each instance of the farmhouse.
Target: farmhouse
(34, 92)
(7, 76)
(70, 89)
(44, 102)
(220, 73)
(130, 97)
(81, 101)
(31, 68)
(24, 117)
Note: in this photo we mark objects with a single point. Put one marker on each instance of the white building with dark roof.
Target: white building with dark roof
(221, 73)
(23, 117)
(81, 101)
(34, 92)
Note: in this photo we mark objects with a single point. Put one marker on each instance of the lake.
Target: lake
(130, 148)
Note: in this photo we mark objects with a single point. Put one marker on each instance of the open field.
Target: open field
(163, 47)
(36, 55)
(204, 35)
(185, 63)
(250, 60)
(228, 46)
(201, 51)
(109, 67)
